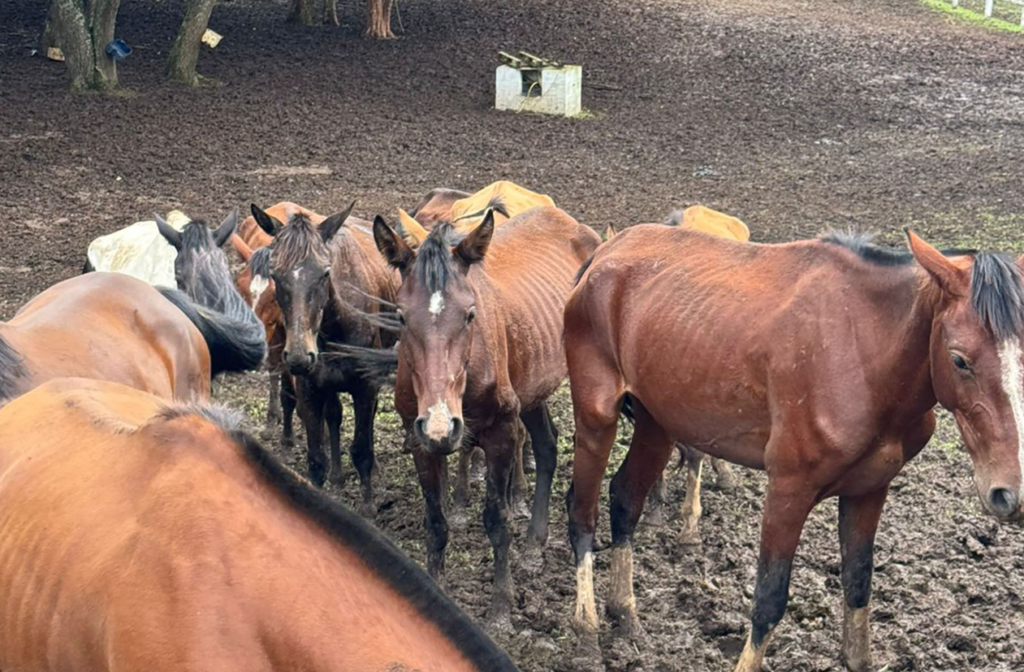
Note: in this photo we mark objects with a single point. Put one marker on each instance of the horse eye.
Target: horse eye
(960, 363)
(470, 314)
(401, 318)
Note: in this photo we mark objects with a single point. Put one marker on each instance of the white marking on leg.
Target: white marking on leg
(857, 638)
(1013, 385)
(586, 609)
(752, 656)
(436, 304)
(621, 601)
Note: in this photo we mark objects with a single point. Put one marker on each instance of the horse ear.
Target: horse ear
(268, 223)
(610, 232)
(415, 234)
(226, 228)
(244, 251)
(474, 246)
(170, 234)
(332, 224)
(391, 246)
(947, 275)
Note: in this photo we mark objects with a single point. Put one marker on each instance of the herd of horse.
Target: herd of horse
(141, 528)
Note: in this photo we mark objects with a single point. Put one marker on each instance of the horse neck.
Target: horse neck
(221, 294)
(353, 276)
(12, 367)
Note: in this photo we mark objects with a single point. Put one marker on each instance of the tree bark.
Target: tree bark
(378, 19)
(83, 38)
(331, 12)
(181, 62)
(50, 38)
(304, 11)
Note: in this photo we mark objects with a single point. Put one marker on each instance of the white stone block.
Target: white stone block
(547, 90)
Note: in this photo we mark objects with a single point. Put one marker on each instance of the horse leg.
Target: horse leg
(689, 532)
(596, 420)
(725, 480)
(544, 439)
(273, 405)
(333, 414)
(647, 458)
(460, 496)
(654, 512)
(364, 402)
(858, 521)
(311, 409)
(288, 402)
(499, 444)
(785, 511)
(520, 486)
(432, 471)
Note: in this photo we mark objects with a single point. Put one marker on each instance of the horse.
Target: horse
(145, 535)
(507, 199)
(479, 354)
(436, 206)
(817, 361)
(201, 272)
(111, 326)
(258, 292)
(696, 218)
(326, 280)
(137, 250)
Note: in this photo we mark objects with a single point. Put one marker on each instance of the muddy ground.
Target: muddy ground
(794, 116)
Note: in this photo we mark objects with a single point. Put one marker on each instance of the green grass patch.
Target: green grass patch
(1005, 17)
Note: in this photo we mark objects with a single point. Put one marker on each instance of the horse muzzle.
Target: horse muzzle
(439, 436)
(301, 363)
(1003, 503)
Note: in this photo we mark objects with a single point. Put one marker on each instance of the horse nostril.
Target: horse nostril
(1002, 501)
(311, 358)
(420, 427)
(455, 430)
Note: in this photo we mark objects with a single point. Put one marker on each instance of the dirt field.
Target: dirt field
(793, 116)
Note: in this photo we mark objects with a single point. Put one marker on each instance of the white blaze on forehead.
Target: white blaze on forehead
(436, 303)
(1013, 385)
(258, 285)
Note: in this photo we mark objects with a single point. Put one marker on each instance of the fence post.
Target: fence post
(956, 3)
(988, 7)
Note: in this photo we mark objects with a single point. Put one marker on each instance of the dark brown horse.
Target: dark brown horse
(818, 361)
(140, 536)
(110, 326)
(324, 278)
(481, 350)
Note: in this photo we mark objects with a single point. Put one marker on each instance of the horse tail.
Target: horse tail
(235, 345)
(583, 270)
(675, 218)
(374, 365)
(495, 204)
(11, 369)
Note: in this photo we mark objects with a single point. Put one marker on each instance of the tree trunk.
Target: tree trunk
(331, 12)
(50, 38)
(378, 19)
(304, 11)
(83, 39)
(181, 62)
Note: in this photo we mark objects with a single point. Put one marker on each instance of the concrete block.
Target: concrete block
(545, 90)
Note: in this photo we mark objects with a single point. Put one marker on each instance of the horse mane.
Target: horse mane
(583, 270)
(11, 369)
(434, 265)
(259, 263)
(380, 555)
(297, 241)
(997, 283)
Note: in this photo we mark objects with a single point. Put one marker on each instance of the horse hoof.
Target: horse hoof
(586, 656)
(499, 619)
(457, 519)
(689, 538)
(267, 433)
(655, 517)
(287, 442)
(337, 477)
(368, 510)
(532, 559)
(726, 483)
(628, 627)
(521, 510)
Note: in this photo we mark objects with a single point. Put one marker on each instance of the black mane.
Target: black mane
(196, 236)
(381, 556)
(297, 241)
(259, 263)
(11, 369)
(434, 265)
(997, 284)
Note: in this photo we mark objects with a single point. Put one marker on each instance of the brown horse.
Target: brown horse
(259, 293)
(481, 350)
(818, 361)
(110, 326)
(140, 536)
(436, 206)
(324, 278)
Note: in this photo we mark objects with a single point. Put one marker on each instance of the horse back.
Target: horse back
(530, 267)
(110, 326)
(137, 536)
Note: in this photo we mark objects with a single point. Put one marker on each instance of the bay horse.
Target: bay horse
(201, 272)
(435, 207)
(479, 354)
(325, 280)
(111, 326)
(141, 535)
(817, 361)
(258, 292)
